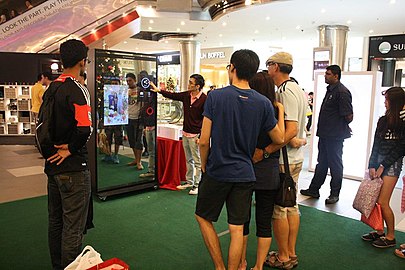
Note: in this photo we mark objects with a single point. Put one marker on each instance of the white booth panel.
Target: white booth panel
(365, 88)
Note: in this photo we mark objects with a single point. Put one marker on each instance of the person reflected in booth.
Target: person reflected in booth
(135, 125)
(193, 107)
(37, 91)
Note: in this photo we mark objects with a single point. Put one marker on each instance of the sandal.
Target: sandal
(400, 252)
(402, 246)
(273, 261)
(293, 258)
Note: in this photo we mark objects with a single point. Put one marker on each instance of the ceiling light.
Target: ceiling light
(149, 28)
(93, 31)
(298, 27)
(371, 31)
(182, 23)
(220, 35)
(136, 48)
(349, 21)
(323, 10)
(55, 66)
(166, 41)
(256, 31)
(178, 29)
(151, 21)
(392, 2)
(267, 18)
(124, 14)
(248, 2)
(224, 24)
(125, 42)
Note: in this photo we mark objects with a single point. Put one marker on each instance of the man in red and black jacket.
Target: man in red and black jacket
(69, 184)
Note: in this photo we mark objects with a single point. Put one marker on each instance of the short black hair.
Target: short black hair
(199, 80)
(39, 77)
(335, 69)
(284, 68)
(72, 52)
(246, 63)
(130, 75)
(48, 75)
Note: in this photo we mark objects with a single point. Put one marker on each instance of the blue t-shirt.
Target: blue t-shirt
(237, 118)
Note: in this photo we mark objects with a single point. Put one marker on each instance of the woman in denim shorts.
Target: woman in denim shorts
(389, 134)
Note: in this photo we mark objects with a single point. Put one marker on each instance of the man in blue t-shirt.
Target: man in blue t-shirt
(233, 119)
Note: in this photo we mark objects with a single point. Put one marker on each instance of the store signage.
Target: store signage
(387, 46)
(321, 58)
(216, 55)
(168, 59)
(41, 12)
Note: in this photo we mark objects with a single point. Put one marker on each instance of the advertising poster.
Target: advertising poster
(115, 105)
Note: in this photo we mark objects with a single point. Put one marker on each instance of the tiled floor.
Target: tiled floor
(21, 176)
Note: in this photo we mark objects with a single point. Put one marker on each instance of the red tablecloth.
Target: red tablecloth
(171, 163)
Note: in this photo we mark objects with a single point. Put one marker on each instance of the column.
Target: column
(334, 36)
(190, 52)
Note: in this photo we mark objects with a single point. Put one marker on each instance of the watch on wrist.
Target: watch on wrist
(266, 154)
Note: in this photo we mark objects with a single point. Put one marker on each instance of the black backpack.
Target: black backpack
(44, 134)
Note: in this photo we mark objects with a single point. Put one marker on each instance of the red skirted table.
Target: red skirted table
(171, 163)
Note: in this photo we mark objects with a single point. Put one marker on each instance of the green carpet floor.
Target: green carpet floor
(110, 174)
(157, 230)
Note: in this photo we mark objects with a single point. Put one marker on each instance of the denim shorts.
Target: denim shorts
(393, 170)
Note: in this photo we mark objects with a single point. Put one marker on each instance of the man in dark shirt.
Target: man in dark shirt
(333, 127)
(68, 174)
(193, 107)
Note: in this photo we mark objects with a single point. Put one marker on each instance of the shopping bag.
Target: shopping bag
(111, 264)
(403, 195)
(103, 143)
(375, 220)
(86, 259)
(367, 195)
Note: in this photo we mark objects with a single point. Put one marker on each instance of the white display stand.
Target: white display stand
(368, 106)
(169, 131)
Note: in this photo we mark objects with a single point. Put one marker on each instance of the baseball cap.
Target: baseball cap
(280, 58)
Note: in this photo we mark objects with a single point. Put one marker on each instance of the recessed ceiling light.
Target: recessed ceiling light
(224, 24)
(248, 2)
(182, 23)
(393, 2)
(349, 21)
(149, 28)
(323, 10)
(136, 48)
(94, 31)
(220, 35)
(178, 29)
(267, 18)
(124, 14)
(298, 27)
(256, 31)
(371, 31)
(151, 21)
(166, 41)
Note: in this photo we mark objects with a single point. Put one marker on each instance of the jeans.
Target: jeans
(150, 141)
(193, 160)
(68, 203)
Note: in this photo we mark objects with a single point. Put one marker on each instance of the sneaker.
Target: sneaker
(107, 158)
(148, 174)
(115, 159)
(193, 191)
(145, 154)
(371, 236)
(184, 186)
(383, 242)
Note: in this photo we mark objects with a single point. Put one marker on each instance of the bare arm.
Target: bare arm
(291, 130)
(205, 142)
(278, 132)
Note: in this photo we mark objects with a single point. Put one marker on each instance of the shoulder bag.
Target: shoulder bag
(287, 194)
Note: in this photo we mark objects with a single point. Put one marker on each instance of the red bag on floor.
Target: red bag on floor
(111, 264)
(375, 220)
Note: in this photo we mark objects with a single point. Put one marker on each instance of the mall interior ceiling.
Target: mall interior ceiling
(266, 24)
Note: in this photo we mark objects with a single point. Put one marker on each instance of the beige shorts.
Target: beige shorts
(282, 212)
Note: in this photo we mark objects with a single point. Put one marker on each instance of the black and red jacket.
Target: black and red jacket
(72, 117)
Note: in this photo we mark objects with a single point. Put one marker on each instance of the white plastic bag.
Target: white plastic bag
(86, 259)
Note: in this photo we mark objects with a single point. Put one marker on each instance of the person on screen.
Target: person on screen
(135, 125)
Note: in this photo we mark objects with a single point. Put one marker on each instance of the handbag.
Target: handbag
(287, 194)
(375, 220)
(367, 195)
(111, 264)
(86, 259)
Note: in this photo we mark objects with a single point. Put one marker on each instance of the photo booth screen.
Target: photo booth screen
(115, 105)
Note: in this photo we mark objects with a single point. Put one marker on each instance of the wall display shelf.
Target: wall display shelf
(15, 110)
